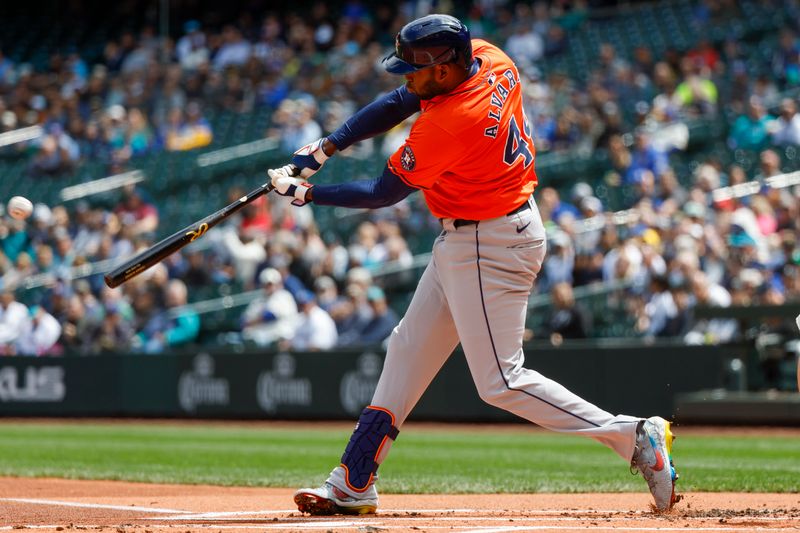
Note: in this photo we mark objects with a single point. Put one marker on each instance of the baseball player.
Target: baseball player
(470, 153)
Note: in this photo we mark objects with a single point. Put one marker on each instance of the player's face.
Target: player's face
(425, 83)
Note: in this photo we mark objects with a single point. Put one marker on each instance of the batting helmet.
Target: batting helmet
(429, 41)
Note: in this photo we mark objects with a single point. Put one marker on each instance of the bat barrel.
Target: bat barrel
(178, 240)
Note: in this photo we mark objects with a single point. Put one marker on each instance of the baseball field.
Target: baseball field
(197, 476)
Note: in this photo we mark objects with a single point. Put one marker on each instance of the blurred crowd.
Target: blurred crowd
(303, 293)
(678, 243)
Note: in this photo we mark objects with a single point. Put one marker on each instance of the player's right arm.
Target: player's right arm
(381, 115)
(385, 190)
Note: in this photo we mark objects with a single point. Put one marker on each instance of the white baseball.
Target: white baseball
(20, 207)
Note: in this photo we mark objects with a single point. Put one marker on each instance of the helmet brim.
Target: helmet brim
(395, 65)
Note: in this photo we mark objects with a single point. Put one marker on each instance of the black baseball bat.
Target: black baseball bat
(176, 241)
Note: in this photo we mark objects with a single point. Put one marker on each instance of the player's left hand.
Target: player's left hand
(310, 158)
(286, 185)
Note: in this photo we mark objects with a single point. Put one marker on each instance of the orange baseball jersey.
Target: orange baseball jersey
(470, 151)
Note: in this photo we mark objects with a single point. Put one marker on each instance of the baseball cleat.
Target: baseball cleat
(329, 500)
(653, 458)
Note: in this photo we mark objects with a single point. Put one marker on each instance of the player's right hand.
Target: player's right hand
(286, 185)
(310, 158)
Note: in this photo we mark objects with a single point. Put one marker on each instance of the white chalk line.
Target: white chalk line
(364, 524)
(283, 526)
(615, 528)
(95, 506)
(383, 512)
(627, 518)
(384, 521)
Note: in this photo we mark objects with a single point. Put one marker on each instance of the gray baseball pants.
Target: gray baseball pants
(475, 290)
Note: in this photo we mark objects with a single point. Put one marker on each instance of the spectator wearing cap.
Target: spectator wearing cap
(383, 320)
(191, 48)
(351, 314)
(14, 321)
(580, 191)
(113, 334)
(282, 262)
(785, 130)
(326, 292)
(695, 211)
(316, 330)
(42, 335)
(559, 262)
(41, 224)
(589, 232)
(272, 317)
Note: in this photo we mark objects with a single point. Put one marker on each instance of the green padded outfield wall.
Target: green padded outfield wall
(640, 380)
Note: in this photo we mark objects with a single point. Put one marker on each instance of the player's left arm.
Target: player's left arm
(380, 116)
(384, 113)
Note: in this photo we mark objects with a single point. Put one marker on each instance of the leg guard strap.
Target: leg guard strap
(375, 426)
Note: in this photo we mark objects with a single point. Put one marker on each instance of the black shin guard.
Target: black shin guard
(375, 426)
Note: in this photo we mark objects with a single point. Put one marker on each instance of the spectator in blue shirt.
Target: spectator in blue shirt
(645, 156)
(168, 328)
(383, 321)
(751, 130)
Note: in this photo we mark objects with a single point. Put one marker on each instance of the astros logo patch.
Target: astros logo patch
(407, 160)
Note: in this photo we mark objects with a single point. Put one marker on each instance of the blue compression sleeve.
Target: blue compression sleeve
(381, 115)
(382, 191)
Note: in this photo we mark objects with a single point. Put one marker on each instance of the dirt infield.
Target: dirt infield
(66, 505)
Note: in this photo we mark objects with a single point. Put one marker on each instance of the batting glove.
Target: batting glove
(286, 185)
(310, 158)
